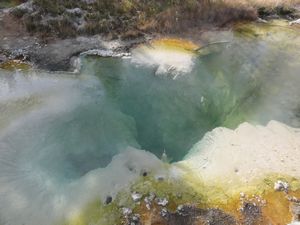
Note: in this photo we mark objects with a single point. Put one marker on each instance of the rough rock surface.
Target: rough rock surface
(242, 154)
(190, 215)
(52, 54)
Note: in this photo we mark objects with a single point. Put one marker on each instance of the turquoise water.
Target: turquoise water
(169, 114)
(56, 127)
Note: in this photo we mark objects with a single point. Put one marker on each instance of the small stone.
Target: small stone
(152, 196)
(108, 200)
(75, 11)
(126, 211)
(295, 22)
(179, 195)
(164, 212)
(136, 196)
(202, 99)
(293, 199)
(260, 20)
(136, 218)
(179, 208)
(148, 200)
(281, 186)
(3, 58)
(148, 206)
(160, 178)
(162, 201)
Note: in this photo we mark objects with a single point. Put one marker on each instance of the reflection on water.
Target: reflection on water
(58, 127)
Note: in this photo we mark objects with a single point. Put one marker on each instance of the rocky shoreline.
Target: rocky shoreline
(51, 52)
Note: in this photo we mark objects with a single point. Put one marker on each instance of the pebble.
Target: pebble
(136, 218)
(126, 211)
(164, 212)
(160, 178)
(148, 206)
(260, 20)
(281, 186)
(136, 196)
(145, 174)
(148, 200)
(162, 201)
(294, 22)
(108, 200)
(179, 208)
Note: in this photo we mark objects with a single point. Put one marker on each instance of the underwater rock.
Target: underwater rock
(145, 174)
(108, 200)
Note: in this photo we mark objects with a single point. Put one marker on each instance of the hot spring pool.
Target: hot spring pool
(55, 128)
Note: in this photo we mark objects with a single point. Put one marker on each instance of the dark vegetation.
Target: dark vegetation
(132, 18)
(128, 18)
(9, 3)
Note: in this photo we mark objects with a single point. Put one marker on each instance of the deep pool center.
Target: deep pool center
(69, 139)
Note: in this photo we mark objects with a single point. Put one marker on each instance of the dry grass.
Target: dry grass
(258, 3)
(133, 17)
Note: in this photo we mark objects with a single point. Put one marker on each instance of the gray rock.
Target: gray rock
(75, 11)
(3, 58)
(162, 201)
(190, 215)
(251, 212)
(134, 220)
(126, 212)
(164, 212)
(295, 22)
(149, 199)
(281, 186)
(108, 200)
(136, 196)
(179, 208)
